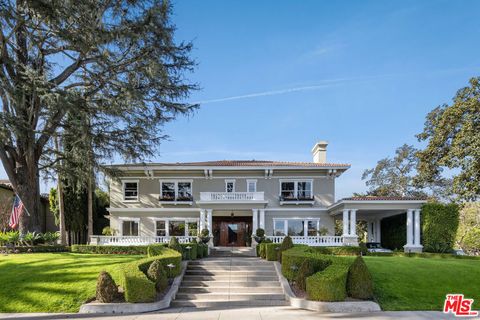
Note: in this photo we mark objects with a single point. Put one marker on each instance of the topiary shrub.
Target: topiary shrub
(107, 290)
(174, 244)
(359, 281)
(287, 243)
(157, 274)
(305, 270)
(439, 226)
(191, 253)
(259, 235)
(329, 284)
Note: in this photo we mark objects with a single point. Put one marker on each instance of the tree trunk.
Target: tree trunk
(61, 206)
(28, 189)
(90, 207)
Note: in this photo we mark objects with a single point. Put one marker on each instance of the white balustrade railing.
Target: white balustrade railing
(232, 196)
(311, 240)
(135, 240)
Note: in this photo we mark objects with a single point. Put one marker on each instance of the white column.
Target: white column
(353, 222)
(378, 230)
(202, 219)
(417, 228)
(261, 222)
(167, 228)
(409, 227)
(254, 221)
(370, 231)
(209, 221)
(345, 222)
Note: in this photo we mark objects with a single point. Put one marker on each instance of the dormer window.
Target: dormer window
(130, 190)
(296, 190)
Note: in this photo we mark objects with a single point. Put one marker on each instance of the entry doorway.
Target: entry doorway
(232, 231)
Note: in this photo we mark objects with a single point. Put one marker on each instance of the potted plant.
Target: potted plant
(204, 236)
(259, 235)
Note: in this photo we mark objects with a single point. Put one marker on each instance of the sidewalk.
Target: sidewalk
(262, 313)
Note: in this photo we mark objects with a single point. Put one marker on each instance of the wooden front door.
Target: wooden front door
(232, 234)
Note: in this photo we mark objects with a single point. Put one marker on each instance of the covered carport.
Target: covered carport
(372, 210)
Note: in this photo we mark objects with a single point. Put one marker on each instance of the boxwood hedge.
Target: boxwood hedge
(331, 275)
(132, 276)
(82, 248)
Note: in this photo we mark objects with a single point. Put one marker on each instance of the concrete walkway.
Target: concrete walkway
(260, 313)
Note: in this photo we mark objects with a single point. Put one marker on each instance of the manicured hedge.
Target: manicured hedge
(132, 276)
(439, 226)
(81, 248)
(189, 254)
(331, 275)
(338, 251)
(271, 251)
(422, 255)
(202, 249)
(35, 249)
(155, 249)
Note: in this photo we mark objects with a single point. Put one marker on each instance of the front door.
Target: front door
(232, 234)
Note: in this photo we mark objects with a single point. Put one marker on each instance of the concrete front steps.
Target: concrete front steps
(230, 281)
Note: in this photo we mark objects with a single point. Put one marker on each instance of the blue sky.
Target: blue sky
(277, 76)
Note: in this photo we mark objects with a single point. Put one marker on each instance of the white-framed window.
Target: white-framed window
(130, 227)
(130, 190)
(229, 185)
(251, 185)
(296, 190)
(296, 226)
(176, 190)
(178, 227)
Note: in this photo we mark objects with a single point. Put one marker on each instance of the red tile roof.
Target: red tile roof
(248, 163)
(374, 198)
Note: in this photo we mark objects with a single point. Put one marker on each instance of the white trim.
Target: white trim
(153, 209)
(136, 219)
(254, 181)
(187, 221)
(305, 224)
(297, 209)
(227, 168)
(123, 190)
(339, 203)
(260, 176)
(227, 181)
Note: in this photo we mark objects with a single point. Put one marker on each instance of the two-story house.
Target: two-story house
(232, 198)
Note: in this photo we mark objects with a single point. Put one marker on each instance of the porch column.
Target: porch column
(345, 222)
(167, 228)
(262, 219)
(378, 230)
(209, 221)
(417, 228)
(254, 220)
(370, 231)
(353, 222)
(410, 227)
(202, 219)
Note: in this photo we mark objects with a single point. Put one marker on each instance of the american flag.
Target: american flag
(16, 212)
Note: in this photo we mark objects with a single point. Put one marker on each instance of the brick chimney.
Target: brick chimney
(319, 152)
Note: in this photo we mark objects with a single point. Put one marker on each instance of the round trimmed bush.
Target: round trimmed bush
(287, 243)
(107, 290)
(156, 273)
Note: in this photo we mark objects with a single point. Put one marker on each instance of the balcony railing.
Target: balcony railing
(311, 240)
(135, 240)
(231, 196)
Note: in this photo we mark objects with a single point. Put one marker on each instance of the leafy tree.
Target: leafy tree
(396, 177)
(452, 133)
(115, 62)
(468, 234)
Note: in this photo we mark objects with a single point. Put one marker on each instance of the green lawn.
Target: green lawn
(51, 282)
(403, 283)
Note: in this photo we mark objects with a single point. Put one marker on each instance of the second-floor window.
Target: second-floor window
(130, 190)
(251, 185)
(176, 191)
(296, 190)
(229, 185)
